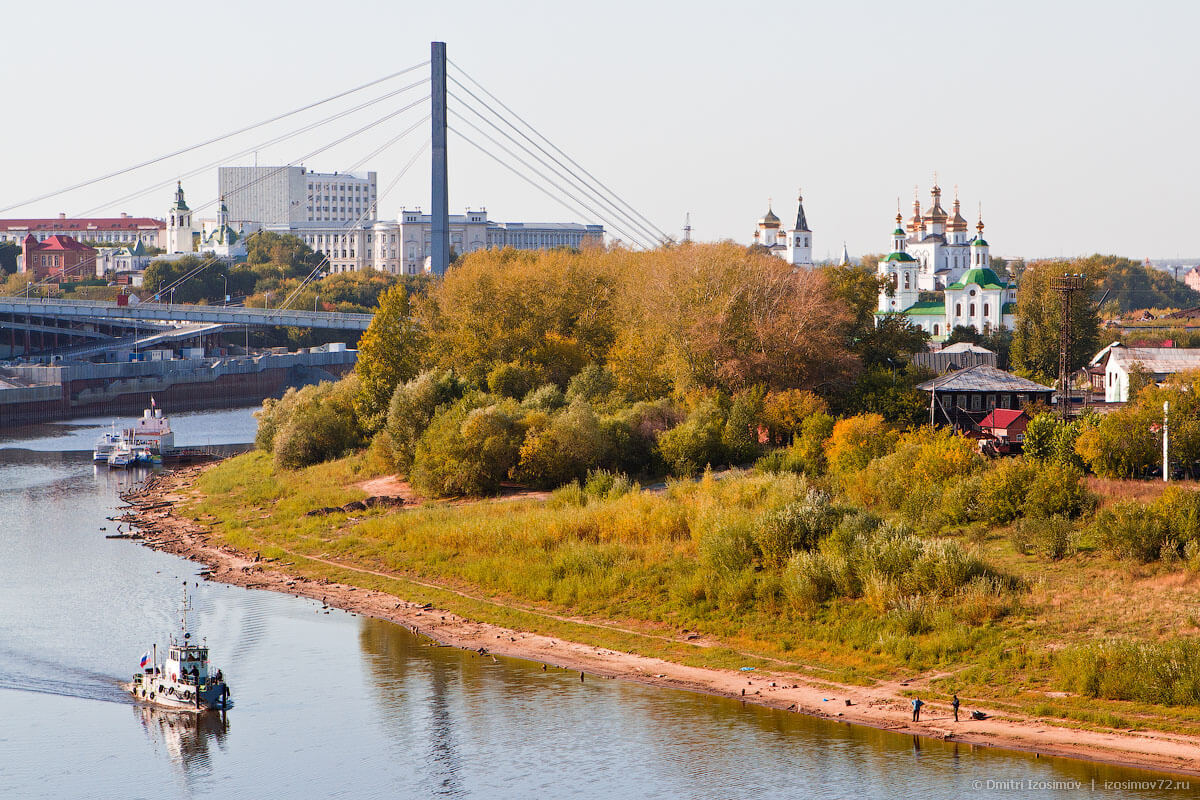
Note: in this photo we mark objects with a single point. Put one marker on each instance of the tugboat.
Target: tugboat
(185, 682)
(122, 456)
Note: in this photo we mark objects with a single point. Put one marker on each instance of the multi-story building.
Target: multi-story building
(57, 256)
(122, 230)
(940, 283)
(793, 245)
(404, 246)
(274, 196)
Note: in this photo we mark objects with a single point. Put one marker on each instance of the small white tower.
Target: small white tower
(799, 238)
(979, 248)
(179, 224)
(901, 271)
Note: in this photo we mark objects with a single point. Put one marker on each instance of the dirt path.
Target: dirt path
(881, 706)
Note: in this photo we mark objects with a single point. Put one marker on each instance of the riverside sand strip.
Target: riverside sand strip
(882, 705)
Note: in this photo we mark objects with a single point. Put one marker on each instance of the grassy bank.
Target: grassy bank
(644, 571)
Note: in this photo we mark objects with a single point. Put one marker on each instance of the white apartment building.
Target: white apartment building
(403, 246)
(274, 196)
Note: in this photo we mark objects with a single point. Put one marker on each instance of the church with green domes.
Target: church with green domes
(939, 279)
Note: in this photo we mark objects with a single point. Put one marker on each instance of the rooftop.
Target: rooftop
(982, 378)
(984, 278)
(1001, 418)
(1159, 360)
(83, 224)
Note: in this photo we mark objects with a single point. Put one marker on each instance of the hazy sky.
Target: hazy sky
(1074, 123)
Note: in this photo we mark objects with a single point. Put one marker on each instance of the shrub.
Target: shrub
(807, 581)
(510, 380)
(1058, 491)
(726, 547)
(604, 485)
(1052, 538)
(796, 526)
(313, 424)
(593, 383)
(564, 450)
(855, 441)
(1164, 673)
(413, 406)
(740, 435)
(544, 398)
(695, 443)
(1004, 489)
(1128, 529)
(468, 448)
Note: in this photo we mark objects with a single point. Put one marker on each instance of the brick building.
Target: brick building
(57, 256)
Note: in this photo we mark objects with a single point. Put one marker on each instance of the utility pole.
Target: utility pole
(1166, 458)
(1066, 286)
(440, 218)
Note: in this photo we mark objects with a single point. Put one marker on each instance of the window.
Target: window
(935, 329)
(1006, 401)
(972, 309)
(976, 402)
(985, 309)
(906, 284)
(991, 401)
(958, 309)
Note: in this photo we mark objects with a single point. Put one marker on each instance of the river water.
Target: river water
(329, 704)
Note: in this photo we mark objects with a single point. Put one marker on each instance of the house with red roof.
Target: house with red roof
(58, 256)
(1007, 426)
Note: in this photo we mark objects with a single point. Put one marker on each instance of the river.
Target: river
(329, 704)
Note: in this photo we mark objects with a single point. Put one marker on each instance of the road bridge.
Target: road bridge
(102, 310)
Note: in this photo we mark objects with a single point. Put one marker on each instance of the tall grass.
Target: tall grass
(1165, 673)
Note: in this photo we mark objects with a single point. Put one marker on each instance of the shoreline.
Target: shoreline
(152, 511)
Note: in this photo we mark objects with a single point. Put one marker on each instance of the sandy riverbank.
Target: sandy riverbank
(881, 705)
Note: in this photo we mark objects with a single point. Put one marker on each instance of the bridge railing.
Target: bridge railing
(173, 310)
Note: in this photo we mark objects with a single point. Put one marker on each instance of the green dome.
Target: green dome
(898, 232)
(984, 278)
(899, 256)
(979, 242)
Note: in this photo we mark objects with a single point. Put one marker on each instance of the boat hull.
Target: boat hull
(160, 692)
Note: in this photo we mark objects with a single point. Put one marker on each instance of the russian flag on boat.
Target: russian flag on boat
(145, 659)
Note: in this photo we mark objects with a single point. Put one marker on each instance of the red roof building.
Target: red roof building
(58, 256)
(115, 230)
(1006, 424)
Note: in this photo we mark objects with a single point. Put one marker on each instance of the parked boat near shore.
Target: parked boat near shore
(148, 441)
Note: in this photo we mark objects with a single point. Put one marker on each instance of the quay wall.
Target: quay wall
(66, 391)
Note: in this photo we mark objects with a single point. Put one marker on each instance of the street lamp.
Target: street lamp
(225, 278)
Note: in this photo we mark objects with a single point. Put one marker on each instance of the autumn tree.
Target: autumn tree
(1035, 343)
(390, 352)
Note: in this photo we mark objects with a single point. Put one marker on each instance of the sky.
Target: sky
(1073, 124)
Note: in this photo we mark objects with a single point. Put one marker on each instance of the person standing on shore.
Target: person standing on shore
(916, 704)
(954, 705)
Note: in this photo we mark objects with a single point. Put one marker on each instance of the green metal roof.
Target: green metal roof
(898, 232)
(899, 256)
(927, 308)
(984, 278)
(979, 242)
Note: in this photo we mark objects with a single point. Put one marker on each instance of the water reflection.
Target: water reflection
(186, 738)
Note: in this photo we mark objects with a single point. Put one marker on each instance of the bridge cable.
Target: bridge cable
(574, 177)
(268, 143)
(570, 176)
(229, 135)
(519, 174)
(501, 103)
(634, 237)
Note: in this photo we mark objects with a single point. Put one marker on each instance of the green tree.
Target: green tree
(9, 252)
(695, 443)
(390, 352)
(468, 448)
(412, 408)
(1035, 341)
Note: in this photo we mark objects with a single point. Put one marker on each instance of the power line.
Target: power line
(617, 226)
(570, 176)
(197, 146)
(483, 89)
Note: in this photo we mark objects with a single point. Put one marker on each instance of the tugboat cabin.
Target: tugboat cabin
(188, 663)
